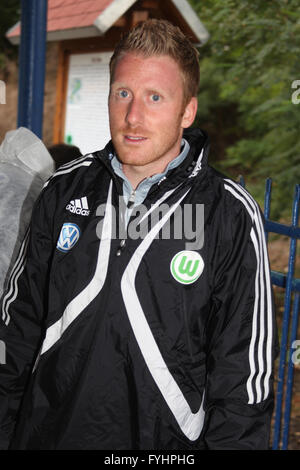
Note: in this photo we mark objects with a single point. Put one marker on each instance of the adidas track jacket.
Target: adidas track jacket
(119, 342)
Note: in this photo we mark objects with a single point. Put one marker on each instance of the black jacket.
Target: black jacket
(119, 347)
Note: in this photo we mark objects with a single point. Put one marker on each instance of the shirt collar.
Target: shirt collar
(146, 184)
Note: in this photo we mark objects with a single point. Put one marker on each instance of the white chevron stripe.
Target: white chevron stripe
(68, 170)
(190, 423)
(74, 162)
(159, 202)
(263, 301)
(17, 270)
(85, 297)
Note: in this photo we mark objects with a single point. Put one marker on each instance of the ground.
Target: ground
(294, 435)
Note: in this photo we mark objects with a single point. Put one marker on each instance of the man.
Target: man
(150, 342)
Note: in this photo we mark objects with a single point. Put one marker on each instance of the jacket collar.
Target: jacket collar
(192, 167)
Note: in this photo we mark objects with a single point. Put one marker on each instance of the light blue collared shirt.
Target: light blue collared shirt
(139, 195)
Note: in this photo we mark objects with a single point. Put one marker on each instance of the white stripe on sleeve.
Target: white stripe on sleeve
(16, 272)
(260, 351)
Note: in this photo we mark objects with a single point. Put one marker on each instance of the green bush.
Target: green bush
(245, 99)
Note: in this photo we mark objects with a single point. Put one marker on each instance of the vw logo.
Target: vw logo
(69, 236)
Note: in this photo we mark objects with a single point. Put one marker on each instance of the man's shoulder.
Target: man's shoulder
(73, 178)
(70, 170)
(233, 196)
(81, 172)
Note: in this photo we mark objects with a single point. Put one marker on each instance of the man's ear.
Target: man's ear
(189, 113)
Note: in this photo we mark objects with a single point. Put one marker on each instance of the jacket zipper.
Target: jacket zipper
(130, 204)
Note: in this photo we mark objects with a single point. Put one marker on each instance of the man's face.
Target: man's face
(146, 111)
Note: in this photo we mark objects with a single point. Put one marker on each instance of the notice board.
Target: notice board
(86, 121)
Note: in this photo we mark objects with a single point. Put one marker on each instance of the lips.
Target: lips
(134, 138)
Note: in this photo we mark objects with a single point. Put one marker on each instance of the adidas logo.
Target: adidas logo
(79, 206)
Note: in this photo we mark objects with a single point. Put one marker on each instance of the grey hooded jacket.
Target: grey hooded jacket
(25, 164)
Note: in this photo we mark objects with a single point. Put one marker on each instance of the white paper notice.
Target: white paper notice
(86, 124)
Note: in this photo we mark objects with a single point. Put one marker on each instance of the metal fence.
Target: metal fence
(288, 343)
(289, 321)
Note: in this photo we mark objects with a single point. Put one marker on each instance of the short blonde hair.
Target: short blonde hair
(160, 37)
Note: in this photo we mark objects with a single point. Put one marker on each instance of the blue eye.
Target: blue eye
(123, 93)
(155, 98)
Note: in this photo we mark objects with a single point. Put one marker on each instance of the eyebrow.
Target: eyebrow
(119, 85)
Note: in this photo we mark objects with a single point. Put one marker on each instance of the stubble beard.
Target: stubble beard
(137, 157)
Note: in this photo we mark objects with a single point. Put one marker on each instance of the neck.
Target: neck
(136, 174)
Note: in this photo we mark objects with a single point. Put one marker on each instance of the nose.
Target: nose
(135, 112)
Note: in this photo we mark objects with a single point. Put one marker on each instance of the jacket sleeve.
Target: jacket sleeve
(241, 334)
(22, 310)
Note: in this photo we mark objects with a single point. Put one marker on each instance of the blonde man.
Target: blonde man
(143, 316)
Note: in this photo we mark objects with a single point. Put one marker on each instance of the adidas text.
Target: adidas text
(77, 210)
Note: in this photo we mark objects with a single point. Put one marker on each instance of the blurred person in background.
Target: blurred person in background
(63, 153)
(25, 165)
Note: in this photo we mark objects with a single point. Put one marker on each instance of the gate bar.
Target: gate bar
(32, 65)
